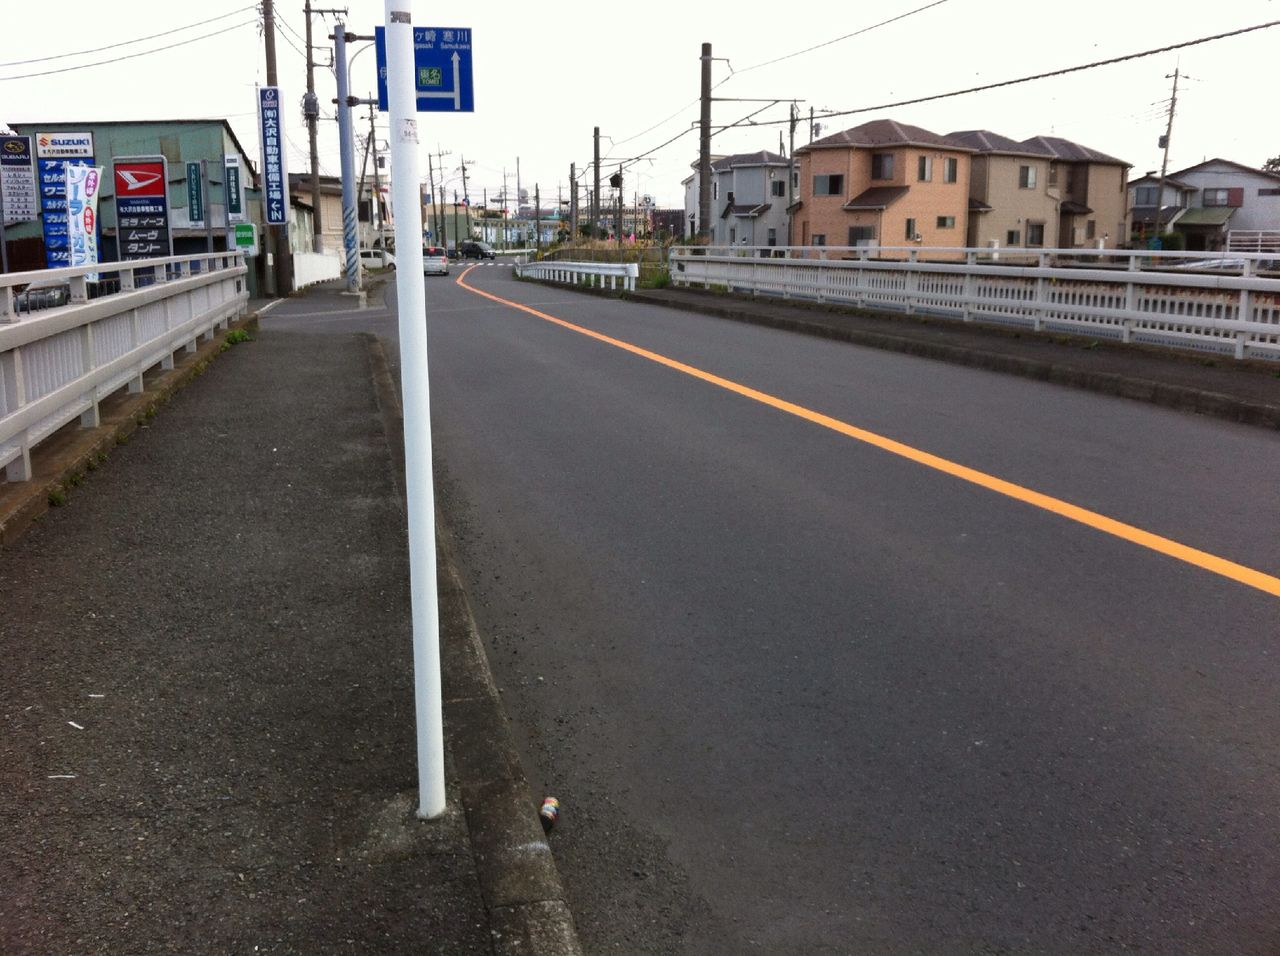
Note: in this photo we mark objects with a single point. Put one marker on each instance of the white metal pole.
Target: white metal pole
(402, 103)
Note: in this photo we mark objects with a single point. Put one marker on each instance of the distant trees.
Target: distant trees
(1272, 166)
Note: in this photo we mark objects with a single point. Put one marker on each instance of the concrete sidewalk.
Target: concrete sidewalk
(208, 726)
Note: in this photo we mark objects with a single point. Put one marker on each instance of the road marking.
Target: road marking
(1127, 532)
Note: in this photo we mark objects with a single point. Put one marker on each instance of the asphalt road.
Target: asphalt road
(797, 694)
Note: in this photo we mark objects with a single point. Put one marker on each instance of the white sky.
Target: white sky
(546, 74)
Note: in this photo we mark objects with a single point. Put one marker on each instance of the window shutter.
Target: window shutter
(1235, 197)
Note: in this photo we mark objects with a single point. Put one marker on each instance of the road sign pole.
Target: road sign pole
(346, 146)
(419, 490)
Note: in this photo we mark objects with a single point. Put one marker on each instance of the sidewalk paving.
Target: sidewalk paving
(207, 702)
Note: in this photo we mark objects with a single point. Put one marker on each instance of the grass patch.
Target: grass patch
(57, 498)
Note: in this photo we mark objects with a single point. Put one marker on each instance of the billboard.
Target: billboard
(275, 181)
(54, 151)
(142, 207)
(18, 179)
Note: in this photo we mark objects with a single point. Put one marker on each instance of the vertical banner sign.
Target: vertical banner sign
(275, 183)
(83, 185)
(195, 195)
(18, 179)
(53, 152)
(234, 189)
(142, 207)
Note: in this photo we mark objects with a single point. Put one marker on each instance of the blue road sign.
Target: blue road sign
(442, 62)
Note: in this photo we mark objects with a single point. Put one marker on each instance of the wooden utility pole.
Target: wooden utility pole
(1164, 163)
(311, 110)
(704, 148)
(573, 201)
(436, 235)
(595, 196)
(466, 196)
(537, 220)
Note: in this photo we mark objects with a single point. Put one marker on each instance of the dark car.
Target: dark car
(477, 250)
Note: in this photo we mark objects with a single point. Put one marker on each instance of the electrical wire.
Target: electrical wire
(131, 56)
(1042, 76)
(112, 46)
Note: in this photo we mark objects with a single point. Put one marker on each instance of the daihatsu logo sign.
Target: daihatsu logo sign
(135, 181)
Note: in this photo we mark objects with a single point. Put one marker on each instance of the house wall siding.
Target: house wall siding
(1012, 207)
(1258, 212)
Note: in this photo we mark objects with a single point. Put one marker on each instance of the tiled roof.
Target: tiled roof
(877, 197)
(761, 158)
(1227, 162)
(1064, 149)
(1154, 180)
(985, 141)
(885, 132)
(1148, 213)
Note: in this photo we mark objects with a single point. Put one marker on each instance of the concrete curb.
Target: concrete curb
(59, 464)
(528, 912)
(1107, 383)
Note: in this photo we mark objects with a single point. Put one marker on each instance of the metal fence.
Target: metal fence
(1185, 300)
(59, 361)
(593, 274)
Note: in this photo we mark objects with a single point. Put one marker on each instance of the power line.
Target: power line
(131, 56)
(1041, 76)
(154, 36)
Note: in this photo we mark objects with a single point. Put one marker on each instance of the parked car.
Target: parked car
(42, 294)
(377, 259)
(435, 261)
(474, 249)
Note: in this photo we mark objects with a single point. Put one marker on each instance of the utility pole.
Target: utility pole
(466, 196)
(506, 202)
(277, 236)
(573, 201)
(537, 221)
(440, 155)
(435, 224)
(377, 186)
(455, 215)
(791, 170)
(311, 110)
(346, 145)
(519, 195)
(595, 196)
(1164, 141)
(704, 148)
(617, 224)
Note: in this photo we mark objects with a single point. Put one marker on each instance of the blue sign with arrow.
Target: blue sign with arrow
(442, 64)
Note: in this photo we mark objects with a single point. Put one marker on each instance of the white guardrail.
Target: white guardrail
(59, 363)
(1186, 300)
(593, 274)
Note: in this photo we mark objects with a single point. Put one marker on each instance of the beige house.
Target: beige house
(1045, 192)
(1094, 210)
(883, 183)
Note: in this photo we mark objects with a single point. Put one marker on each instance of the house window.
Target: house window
(861, 234)
(911, 230)
(1053, 174)
(950, 170)
(1035, 234)
(1145, 195)
(882, 165)
(1215, 197)
(1026, 177)
(1090, 228)
(1013, 237)
(733, 234)
(924, 169)
(828, 185)
(773, 238)
(1269, 192)
(795, 179)
(778, 188)
(946, 222)
(819, 239)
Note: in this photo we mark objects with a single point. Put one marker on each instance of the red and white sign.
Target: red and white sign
(140, 179)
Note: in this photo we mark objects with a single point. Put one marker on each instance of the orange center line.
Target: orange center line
(1127, 532)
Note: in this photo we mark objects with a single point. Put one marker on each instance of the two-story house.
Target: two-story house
(1094, 207)
(748, 199)
(1147, 196)
(1014, 192)
(1227, 202)
(883, 183)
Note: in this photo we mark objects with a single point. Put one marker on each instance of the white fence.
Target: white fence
(1178, 299)
(592, 273)
(58, 364)
(312, 267)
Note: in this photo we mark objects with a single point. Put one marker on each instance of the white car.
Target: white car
(377, 259)
(435, 261)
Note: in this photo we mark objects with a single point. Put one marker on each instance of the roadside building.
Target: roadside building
(1229, 206)
(1014, 192)
(1093, 210)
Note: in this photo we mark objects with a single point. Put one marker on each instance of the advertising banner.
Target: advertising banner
(275, 181)
(18, 179)
(142, 207)
(54, 152)
(195, 195)
(83, 185)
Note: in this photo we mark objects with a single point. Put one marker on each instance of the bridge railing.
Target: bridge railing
(58, 362)
(619, 274)
(1187, 300)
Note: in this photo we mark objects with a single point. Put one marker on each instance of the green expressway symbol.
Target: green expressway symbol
(431, 76)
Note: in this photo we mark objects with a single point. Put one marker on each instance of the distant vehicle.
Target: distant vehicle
(435, 261)
(453, 253)
(477, 250)
(377, 259)
(42, 294)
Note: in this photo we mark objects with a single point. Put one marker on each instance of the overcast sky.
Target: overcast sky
(546, 74)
